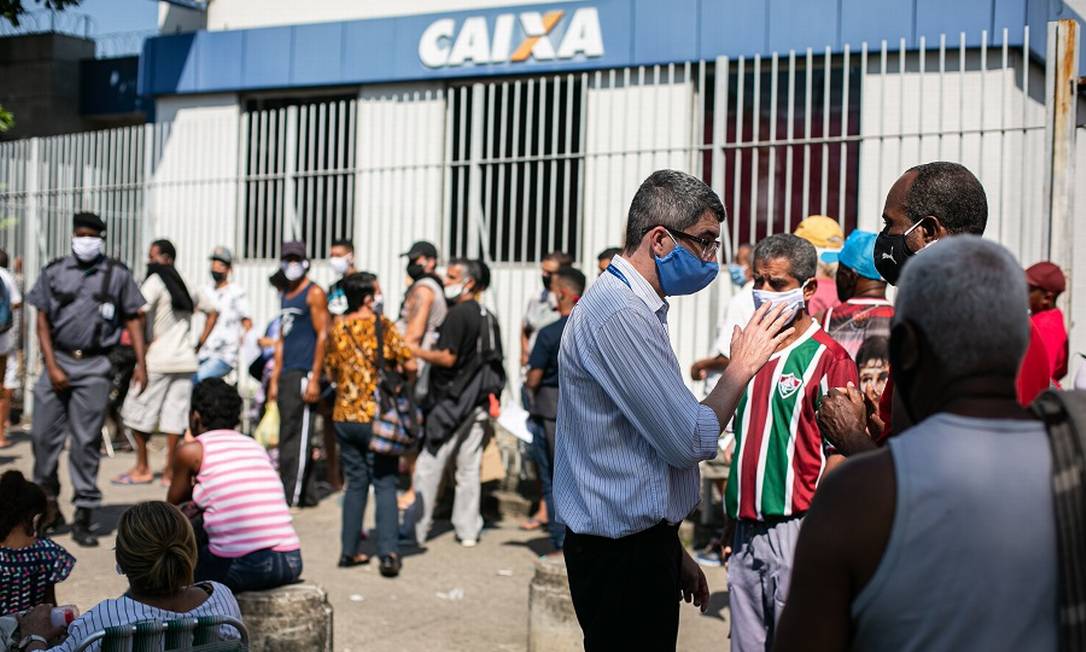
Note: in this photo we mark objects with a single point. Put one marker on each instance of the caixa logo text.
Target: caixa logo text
(541, 36)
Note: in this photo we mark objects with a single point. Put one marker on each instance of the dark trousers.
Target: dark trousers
(361, 467)
(75, 415)
(295, 440)
(257, 571)
(626, 591)
(542, 450)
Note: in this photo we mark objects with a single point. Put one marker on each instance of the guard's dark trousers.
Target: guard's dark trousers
(626, 591)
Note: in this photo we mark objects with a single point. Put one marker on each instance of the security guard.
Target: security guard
(83, 301)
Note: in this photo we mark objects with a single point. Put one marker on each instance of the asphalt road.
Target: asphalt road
(447, 598)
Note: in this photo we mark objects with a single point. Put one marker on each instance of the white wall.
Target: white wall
(240, 14)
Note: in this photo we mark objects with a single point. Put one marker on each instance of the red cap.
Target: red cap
(1046, 276)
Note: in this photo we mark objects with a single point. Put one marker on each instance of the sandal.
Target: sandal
(348, 562)
(126, 479)
(532, 524)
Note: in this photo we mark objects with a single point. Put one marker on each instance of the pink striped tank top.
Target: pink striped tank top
(242, 497)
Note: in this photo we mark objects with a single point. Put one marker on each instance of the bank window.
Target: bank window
(308, 142)
(526, 170)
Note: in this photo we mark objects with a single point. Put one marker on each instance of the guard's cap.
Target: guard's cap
(421, 249)
(223, 255)
(1047, 276)
(88, 220)
(858, 254)
(293, 248)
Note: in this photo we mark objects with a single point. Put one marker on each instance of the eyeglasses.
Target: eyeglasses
(705, 249)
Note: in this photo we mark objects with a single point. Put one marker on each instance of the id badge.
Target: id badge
(106, 310)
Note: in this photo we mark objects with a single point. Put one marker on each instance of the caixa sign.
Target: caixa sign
(512, 38)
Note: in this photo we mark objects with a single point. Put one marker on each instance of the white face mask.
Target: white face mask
(340, 264)
(294, 271)
(87, 248)
(791, 299)
(453, 292)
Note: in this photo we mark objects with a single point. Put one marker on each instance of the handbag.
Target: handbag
(397, 423)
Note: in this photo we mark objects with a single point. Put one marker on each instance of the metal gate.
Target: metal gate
(510, 169)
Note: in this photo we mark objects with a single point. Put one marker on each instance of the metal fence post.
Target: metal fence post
(478, 228)
(33, 250)
(291, 224)
(1061, 81)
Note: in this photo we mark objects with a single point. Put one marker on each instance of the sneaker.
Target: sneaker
(709, 557)
(390, 565)
(469, 543)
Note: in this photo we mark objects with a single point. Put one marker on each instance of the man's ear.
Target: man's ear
(933, 229)
(904, 347)
(809, 289)
(657, 237)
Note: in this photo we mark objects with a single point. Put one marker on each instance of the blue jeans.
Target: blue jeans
(361, 467)
(543, 457)
(256, 571)
(212, 368)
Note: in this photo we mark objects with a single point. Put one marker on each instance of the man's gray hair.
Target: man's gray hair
(799, 253)
(672, 199)
(968, 296)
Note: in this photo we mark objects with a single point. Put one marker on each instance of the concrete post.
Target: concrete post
(552, 623)
(286, 619)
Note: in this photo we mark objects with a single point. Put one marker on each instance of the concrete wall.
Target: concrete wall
(241, 14)
(39, 83)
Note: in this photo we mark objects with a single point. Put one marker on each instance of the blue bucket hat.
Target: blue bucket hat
(858, 254)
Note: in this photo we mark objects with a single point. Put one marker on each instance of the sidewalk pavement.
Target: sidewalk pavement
(448, 597)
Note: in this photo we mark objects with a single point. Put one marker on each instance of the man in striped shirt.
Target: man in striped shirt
(630, 434)
(780, 456)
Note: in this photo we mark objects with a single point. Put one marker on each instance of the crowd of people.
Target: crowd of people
(813, 364)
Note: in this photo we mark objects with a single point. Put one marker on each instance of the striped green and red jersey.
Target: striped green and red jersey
(779, 452)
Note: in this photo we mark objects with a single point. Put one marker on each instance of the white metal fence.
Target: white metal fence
(510, 169)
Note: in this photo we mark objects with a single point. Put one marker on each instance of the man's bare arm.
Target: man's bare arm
(416, 327)
(840, 545)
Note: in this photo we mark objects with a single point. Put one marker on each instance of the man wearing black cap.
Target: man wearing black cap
(295, 379)
(221, 339)
(421, 314)
(84, 301)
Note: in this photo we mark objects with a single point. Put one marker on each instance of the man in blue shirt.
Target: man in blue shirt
(630, 434)
(567, 285)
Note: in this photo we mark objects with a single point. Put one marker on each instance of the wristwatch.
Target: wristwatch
(31, 638)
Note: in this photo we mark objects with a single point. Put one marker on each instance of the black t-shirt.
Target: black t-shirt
(545, 352)
(459, 333)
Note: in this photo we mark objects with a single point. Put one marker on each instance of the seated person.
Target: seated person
(250, 543)
(156, 551)
(30, 566)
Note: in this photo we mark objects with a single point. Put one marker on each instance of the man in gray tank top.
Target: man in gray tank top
(945, 539)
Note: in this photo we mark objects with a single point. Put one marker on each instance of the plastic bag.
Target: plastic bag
(267, 431)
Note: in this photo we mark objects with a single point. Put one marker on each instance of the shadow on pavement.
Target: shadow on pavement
(539, 546)
(107, 517)
(718, 602)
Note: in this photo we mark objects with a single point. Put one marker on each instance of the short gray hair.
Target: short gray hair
(968, 296)
(672, 199)
(799, 253)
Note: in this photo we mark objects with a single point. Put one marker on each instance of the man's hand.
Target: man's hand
(273, 391)
(842, 418)
(58, 378)
(692, 584)
(752, 346)
(698, 371)
(312, 391)
(139, 378)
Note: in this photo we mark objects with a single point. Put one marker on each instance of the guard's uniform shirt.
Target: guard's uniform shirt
(84, 314)
(87, 306)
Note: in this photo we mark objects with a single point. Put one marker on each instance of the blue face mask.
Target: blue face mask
(681, 272)
(738, 273)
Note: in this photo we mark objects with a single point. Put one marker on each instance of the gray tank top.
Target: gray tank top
(971, 560)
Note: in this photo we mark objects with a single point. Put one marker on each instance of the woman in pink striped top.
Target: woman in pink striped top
(250, 543)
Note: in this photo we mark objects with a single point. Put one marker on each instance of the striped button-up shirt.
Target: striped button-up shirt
(630, 434)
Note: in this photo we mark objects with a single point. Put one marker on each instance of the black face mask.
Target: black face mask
(891, 253)
(547, 282)
(218, 277)
(415, 271)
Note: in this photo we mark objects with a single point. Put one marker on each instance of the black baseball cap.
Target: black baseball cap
(89, 220)
(294, 248)
(420, 249)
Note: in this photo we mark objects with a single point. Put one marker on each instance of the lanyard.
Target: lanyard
(619, 275)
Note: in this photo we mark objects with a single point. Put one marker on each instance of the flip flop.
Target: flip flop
(532, 524)
(126, 479)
